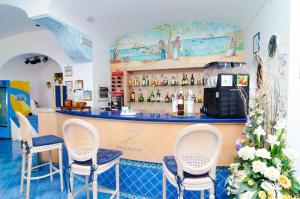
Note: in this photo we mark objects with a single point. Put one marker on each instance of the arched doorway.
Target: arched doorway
(39, 70)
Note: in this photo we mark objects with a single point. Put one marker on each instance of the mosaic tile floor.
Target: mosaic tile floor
(138, 179)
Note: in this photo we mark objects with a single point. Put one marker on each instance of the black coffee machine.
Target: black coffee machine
(230, 97)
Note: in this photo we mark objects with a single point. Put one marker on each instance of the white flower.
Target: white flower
(280, 124)
(260, 120)
(267, 186)
(259, 166)
(247, 195)
(290, 153)
(263, 153)
(247, 153)
(273, 140)
(259, 131)
(271, 173)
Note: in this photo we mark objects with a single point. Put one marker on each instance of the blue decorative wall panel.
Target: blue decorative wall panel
(69, 38)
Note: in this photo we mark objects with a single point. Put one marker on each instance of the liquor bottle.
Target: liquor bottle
(158, 96)
(194, 98)
(180, 103)
(190, 103)
(132, 96)
(192, 80)
(186, 80)
(144, 81)
(152, 98)
(167, 98)
(141, 98)
(183, 80)
(174, 104)
(173, 81)
(149, 97)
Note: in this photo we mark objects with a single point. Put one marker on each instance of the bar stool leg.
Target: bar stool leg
(87, 187)
(28, 175)
(211, 193)
(180, 195)
(164, 186)
(70, 192)
(23, 171)
(50, 164)
(60, 169)
(117, 180)
(95, 186)
(202, 194)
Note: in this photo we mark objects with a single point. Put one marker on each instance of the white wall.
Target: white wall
(294, 81)
(271, 19)
(44, 42)
(37, 75)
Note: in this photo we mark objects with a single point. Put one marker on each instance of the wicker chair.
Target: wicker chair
(82, 142)
(193, 166)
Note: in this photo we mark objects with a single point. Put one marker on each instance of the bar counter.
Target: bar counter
(145, 136)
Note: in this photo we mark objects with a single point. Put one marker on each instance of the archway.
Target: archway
(40, 75)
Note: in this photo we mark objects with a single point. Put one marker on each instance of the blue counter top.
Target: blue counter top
(154, 117)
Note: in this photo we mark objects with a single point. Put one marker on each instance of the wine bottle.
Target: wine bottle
(167, 98)
(192, 80)
(190, 103)
(180, 103)
(132, 96)
(158, 96)
(152, 98)
(186, 80)
(183, 80)
(144, 81)
(141, 98)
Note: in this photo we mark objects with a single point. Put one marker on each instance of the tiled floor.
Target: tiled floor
(138, 179)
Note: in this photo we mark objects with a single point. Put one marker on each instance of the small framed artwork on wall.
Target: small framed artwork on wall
(78, 85)
(68, 71)
(69, 84)
(256, 43)
(87, 95)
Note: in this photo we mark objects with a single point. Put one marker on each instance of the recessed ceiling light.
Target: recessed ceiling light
(90, 19)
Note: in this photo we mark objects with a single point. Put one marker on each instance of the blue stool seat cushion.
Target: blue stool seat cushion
(171, 165)
(46, 140)
(103, 156)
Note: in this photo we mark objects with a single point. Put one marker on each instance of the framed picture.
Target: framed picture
(69, 85)
(78, 85)
(87, 95)
(68, 71)
(58, 78)
(256, 43)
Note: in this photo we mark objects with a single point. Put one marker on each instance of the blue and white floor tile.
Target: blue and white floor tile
(137, 179)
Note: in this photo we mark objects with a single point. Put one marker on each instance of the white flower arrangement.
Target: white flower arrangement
(264, 163)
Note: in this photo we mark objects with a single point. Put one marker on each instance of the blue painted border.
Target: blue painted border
(154, 117)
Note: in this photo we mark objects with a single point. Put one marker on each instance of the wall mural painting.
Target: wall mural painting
(188, 42)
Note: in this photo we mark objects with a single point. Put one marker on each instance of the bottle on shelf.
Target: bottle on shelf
(144, 81)
(141, 98)
(192, 79)
(149, 97)
(186, 80)
(194, 98)
(174, 104)
(152, 98)
(132, 96)
(190, 103)
(183, 80)
(173, 81)
(167, 98)
(180, 103)
(158, 96)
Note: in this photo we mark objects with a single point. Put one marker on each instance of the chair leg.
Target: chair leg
(23, 172)
(164, 186)
(95, 186)
(28, 175)
(50, 165)
(117, 180)
(70, 192)
(202, 194)
(211, 193)
(61, 170)
(87, 187)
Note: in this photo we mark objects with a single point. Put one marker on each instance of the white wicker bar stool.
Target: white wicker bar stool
(87, 159)
(31, 145)
(193, 166)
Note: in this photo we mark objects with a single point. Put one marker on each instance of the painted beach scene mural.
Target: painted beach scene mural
(193, 42)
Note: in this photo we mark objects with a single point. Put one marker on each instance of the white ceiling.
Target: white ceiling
(115, 18)
(14, 20)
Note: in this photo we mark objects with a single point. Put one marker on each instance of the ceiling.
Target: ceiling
(114, 18)
(13, 21)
